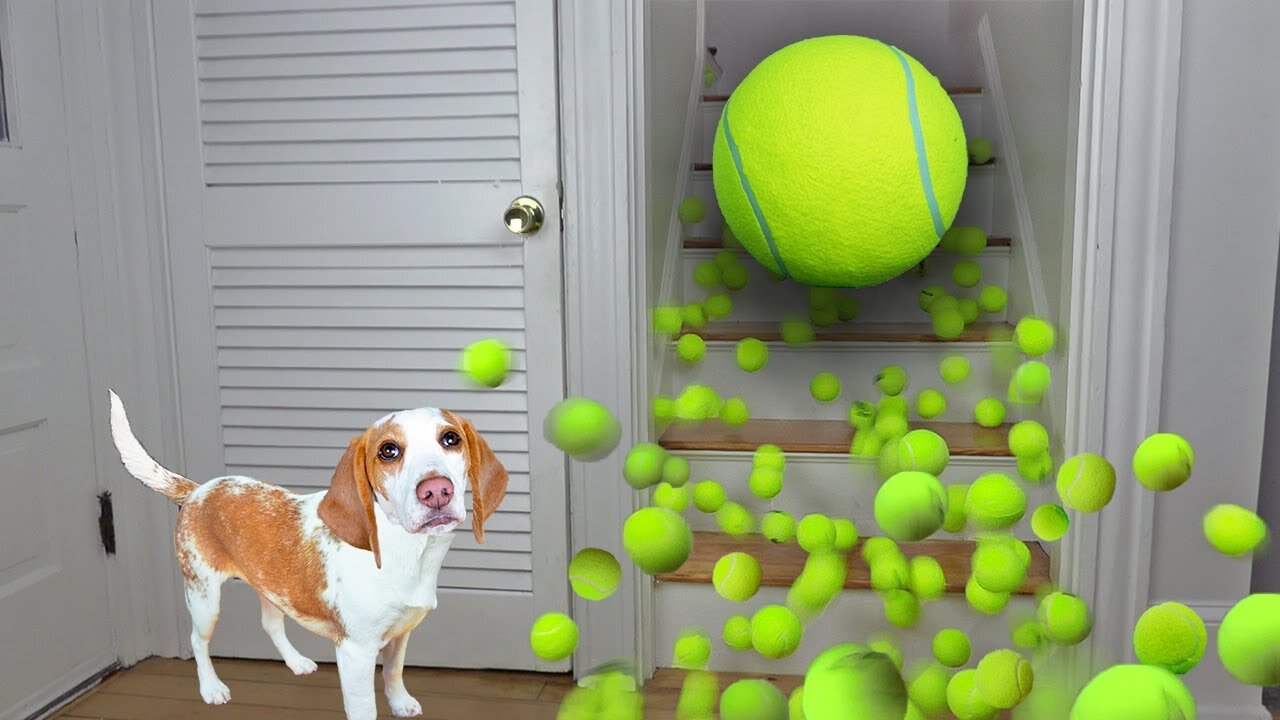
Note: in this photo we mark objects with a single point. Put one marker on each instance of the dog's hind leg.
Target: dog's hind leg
(273, 624)
(204, 597)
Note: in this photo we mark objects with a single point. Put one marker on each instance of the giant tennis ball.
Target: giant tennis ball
(1249, 640)
(657, 539)
(839, 161)
(853, 681)
(1134, 692)
(1170, 635)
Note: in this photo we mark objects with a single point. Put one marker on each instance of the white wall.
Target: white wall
(1266, 567)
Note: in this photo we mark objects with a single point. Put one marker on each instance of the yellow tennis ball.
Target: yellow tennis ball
(890, 426)
(644, 465)
(753, 699)
(888, 464)
(989, 412)
(969, 310)
(890, 571)
(947, 324)
(795, 704)
(735, 520)
(765, 482)
(995, 502)
(992, 298)
(1234, 531)
(923, 450)
(770, 456)
(824, 387)
(1028, 437)
(847, 308)
(997, 568)
(956, 519)
(1086, 482)
(816, 532)
(983, 600)
(736, 576)
(1163, 461)
(658, 540)
(1134, 692)
(965, 701)
(953, 369)
(951, 647)
(927, 581)
(706, 274)
(776, 631)
(1249, 640)
(1035, 468)
(910, 506)
(1170, 635)
(1049, 522)
(709, 496)
(1029, 382)
(866, 443)
(582, 428)
(594, 573)
(691, 348)
(698, 402)
(692, 210)
(735, 412)
(836, 102)
(737, 632)
(901, 608)
(1003, 678)
(1034, 336)
(1065, 618)
(891, 380)
(979, 150)
(486, 362)
(885, 644)
(966, 273)
(853, 681)
(553, 637)
(928, 689)
(718, 306)
(778, 526)
(693, 315)
(675, 471)
(667, 320)
(930, 403)
(879, 546)
(698, 695)
(819, 582)
(846, 534)
(670, 497)
(752, 354)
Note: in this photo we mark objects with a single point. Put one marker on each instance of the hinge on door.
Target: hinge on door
(107, 522)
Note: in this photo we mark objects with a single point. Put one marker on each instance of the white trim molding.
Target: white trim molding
(602, 137)
(1124, 187)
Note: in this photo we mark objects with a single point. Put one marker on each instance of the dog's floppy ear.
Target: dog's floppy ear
(348, 506)
(487, 476)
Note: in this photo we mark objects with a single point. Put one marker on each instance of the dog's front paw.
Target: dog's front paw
(301, 665)
(404, 705)
(215, 692)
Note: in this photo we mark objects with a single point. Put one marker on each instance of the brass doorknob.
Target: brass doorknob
(524, 215)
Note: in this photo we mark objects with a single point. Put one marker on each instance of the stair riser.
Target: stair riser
(835, 485)
(969, 107)
(853, 617)
(781, 389)
(765, 298)
(975, 206)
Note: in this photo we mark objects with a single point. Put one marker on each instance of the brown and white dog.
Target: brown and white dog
(357, 563)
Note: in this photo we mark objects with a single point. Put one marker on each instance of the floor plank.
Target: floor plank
(886, 332)
(781, 563)
(823, 436)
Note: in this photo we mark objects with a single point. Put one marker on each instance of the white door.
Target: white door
(55, 629)
(336, 173)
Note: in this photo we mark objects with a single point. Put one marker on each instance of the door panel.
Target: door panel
(336, 174)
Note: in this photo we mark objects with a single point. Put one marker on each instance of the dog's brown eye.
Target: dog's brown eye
(450, 438)
(389, 451)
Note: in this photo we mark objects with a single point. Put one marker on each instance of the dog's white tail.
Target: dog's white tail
(139, 463)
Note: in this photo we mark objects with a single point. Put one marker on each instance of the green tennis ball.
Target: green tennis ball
(969, 310)
(735, 519)
(885, 644)
(966, 273)
(666, 495)
(923, 450)
(768, 455)
(891, 425)
(594, 573)
(930, 403)
(824, 387)
(1134, 692)
(979, 151)
(709, 496)
(644, 465)
(735, 278)
(736, 576)
(946, 303)
(1049, 522)
(848, 681)
(997, 569)
(953, 369)
(891, 380)
(553, 637)
(888, 465)
(1028, 635)
(726, 259)
(486, 362)
(1035, 467)
(983, 600)
(910, 506)
(951, 647)
(971, 241)
(698, 402)
(992, 298)
(797, 332)
(582, 428)
(956, 519)
(893, 405)
(948, 324)
(737, 632)
(692, 650)
(878, 546)
(718, 306)
(825, 104)
(1249, 640)
(1003, 678)
(765, 483)
(928, 689)
(1034, 336)
(901, 608)
(1086, 482)
(1028, 437)
(822, 297)
(735, 412)
(691, 348)
(846, 534)
(927, 581)
(706, 274)
(795, 704)
(1170, 635)
(866, 443)
(664, 409)
(965, 701)
(847, 308)
(995, 502)
(752, 354)
(929, 294)
(890, 571)
(819, 582)
(698, 695)
(1163, 462)
(815, 533)
(1029, 382)
(1065, 618)
(753, 699)
(823, 316)
(775, 631)
(778, 526)
(1234, 531)
(667, 320)
(658, 540)
(694, 315)
(692, 210)
(989, 412)
(675, 471)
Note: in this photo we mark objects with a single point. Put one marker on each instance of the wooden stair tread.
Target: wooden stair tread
(954, 90)
(707, 243)
(780, 564)
(703, 166)
(852, 331)
(823, 436)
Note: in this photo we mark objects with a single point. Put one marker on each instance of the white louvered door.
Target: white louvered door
(335, 177)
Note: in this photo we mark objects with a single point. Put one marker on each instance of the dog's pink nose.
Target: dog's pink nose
(435, 492)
